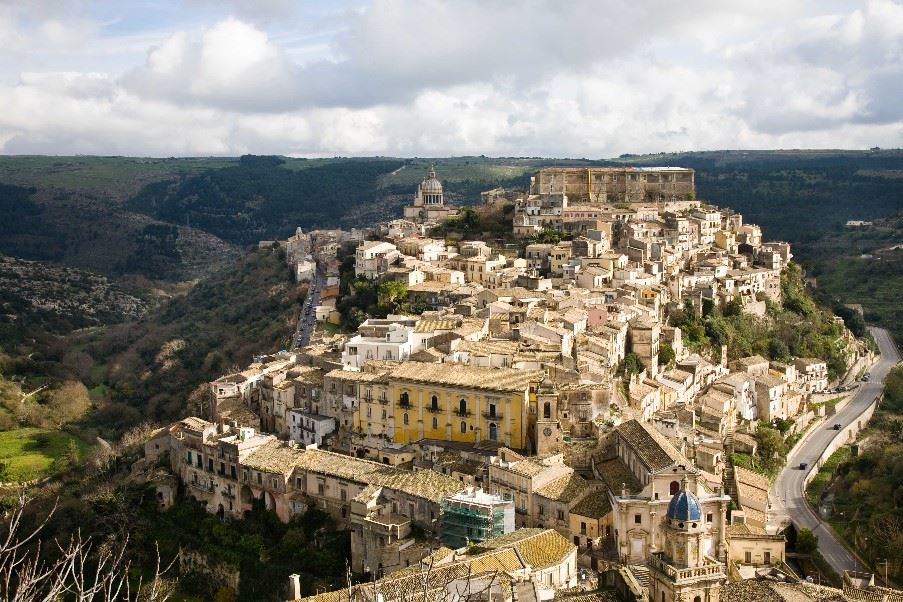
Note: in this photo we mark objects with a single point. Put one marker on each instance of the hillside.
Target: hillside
(148, 369)
(862, 266)
(261, 199)
(38, 298)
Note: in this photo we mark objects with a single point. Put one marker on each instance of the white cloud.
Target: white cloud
(436, 77)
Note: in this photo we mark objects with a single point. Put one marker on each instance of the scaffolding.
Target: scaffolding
(462, 522)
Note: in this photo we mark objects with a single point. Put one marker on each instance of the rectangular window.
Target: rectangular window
(321, 488)
(232, 472)
(708, 517)
(747, 557)
(259, 479)
(637, 519)
(767, 557)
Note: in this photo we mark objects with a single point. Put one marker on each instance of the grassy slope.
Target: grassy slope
(115, 178)
(28, 453)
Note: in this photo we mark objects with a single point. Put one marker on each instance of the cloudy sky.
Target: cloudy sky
(572, 78)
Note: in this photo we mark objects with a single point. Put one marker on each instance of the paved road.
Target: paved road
(307, 320)
(788, 499)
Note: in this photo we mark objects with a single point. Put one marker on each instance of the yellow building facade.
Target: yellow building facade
(451, 402)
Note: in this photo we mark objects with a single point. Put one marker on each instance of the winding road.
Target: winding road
(788, 501)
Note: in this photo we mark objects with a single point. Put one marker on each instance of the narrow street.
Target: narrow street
(307, 321)
(788, 498)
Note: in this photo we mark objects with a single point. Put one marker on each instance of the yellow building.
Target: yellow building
(455, 402)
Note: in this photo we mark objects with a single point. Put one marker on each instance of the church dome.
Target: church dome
(684, 506)
(431, 184)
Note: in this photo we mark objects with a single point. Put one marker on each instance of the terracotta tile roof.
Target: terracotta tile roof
(752, 484)
(594, 505)
(653, 448)
(473, 377)
(615, 473)
(564, 489)
(540, 548)
(517, 551)
(277, 457)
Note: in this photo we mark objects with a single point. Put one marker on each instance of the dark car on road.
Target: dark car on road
(803, 465)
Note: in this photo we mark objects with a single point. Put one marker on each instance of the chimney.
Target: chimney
(294, 586)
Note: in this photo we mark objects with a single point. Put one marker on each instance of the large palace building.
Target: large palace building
(615, 184)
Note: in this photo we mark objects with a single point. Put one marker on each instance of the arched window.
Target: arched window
(405, 417)
(673, 488)
(493, 431)
(404, 399)
(463, 427)
(434, 403)
(435, 423)
(547, 410)
(462, 407)
(697, 599)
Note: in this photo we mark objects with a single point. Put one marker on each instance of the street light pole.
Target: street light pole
(885, 562)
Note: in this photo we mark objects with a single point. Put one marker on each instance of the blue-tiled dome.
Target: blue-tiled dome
(684, 506)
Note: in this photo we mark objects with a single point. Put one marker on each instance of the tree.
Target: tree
(734, 307)
(68, 403)
(806, 541)
(392, 296)
(666, 354)
(632, 364)
(78, 570)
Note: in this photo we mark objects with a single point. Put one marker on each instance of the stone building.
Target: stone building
(615, 184)
(683, 569)
(429, 202)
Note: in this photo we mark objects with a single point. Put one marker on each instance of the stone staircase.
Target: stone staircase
(641, 574)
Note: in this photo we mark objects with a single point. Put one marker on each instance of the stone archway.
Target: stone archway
(247, 496)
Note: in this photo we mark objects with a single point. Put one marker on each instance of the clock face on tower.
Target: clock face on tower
(547, 432)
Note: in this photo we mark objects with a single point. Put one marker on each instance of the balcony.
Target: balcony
(228, 494)
(405, 405)
(712, 568)
(463, 414)
(201, 486)
(435, 410)
(383, 401)
(492, 416)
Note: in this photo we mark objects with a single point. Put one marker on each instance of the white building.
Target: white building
(393, 339)
(373, 258)
(308, 428)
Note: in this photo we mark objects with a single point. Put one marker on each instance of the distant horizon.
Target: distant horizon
(466, 156)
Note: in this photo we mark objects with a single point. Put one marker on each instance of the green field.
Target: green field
(113, 177)
(30, 453)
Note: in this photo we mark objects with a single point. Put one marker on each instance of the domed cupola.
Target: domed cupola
(684, 506)
(431, 190)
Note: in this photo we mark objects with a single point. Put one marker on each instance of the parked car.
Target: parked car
(837, 427)
(803, 465)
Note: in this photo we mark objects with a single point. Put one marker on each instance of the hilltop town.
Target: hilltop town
(532, 409)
